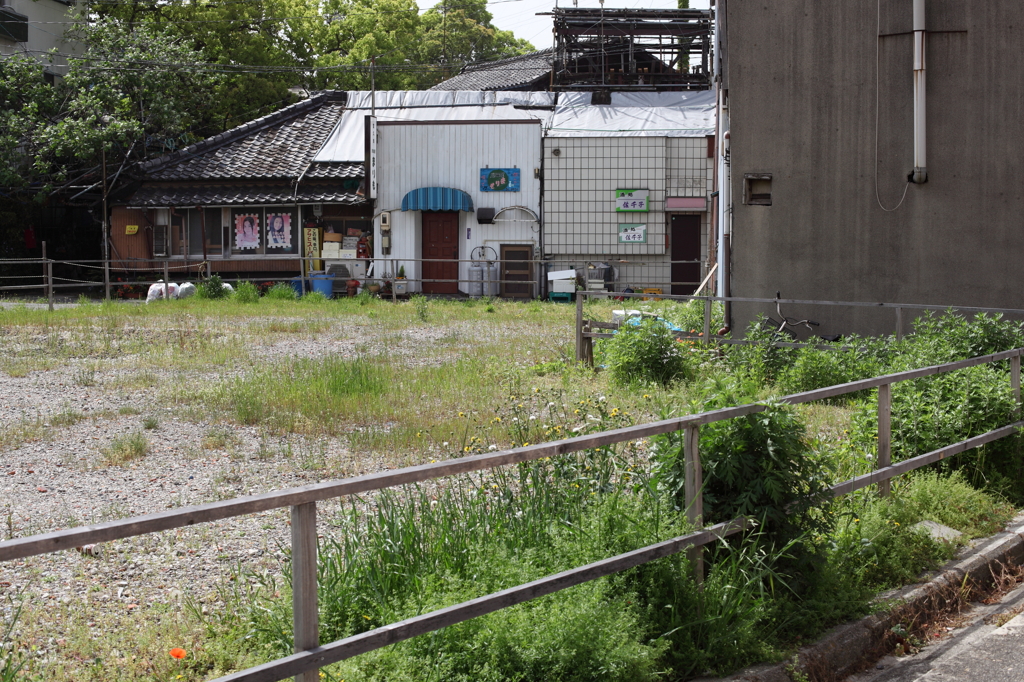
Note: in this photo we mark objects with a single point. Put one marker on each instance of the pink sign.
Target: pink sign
(686, 204)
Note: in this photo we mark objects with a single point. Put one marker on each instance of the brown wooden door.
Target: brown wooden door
(685, 246)
(517, 266)
(440, 252)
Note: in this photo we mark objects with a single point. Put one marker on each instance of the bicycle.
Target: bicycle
(785, 324)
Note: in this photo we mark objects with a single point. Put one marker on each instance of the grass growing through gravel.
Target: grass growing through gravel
(125, 449)
(426, 380)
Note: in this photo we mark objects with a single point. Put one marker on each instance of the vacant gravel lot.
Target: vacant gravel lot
(63, 404)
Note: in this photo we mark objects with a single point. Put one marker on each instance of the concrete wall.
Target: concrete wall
(802, 83)
(451, 154)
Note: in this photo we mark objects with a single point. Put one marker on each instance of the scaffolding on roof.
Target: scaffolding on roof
(631, 49)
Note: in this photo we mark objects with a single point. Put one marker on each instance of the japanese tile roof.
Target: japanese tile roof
(238, 194)
(504, 74)
(279, 145)
(335, 170)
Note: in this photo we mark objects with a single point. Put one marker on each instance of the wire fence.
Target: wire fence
(388, 277)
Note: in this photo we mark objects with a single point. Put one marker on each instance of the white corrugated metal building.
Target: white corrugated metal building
(516, 177)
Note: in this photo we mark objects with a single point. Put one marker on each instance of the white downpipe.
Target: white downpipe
(920, 148)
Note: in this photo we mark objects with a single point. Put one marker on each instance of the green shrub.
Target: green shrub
(759, 465)
(212, 288)
(932, 412)
(282, 291)
(314, 297)
(645, 353)
(813, 368)
(758, 359)
(12, 659)
(952, 501)
(876, 541)
(246, 292)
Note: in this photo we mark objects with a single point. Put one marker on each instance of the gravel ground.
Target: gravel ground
(55, 477)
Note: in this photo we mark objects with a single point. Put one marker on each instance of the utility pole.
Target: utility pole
(106, 238)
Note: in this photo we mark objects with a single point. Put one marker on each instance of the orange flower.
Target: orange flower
(178, 653)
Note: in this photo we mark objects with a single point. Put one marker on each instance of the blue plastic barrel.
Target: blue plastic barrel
(323, 284)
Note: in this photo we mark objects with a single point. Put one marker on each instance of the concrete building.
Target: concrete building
(35, 27)
(654, 145)
(828, 108)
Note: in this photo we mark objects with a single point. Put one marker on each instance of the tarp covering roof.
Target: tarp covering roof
(635, 114)
(346, 142)
(564, 114)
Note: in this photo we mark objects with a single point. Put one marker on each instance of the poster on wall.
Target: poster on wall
(631, 200)
(632, 233)
(247, 231)
(279, 231)
(499, 179)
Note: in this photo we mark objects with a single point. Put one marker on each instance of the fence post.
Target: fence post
(49, 283)
(166, 277)
(579, 327)
(305, 616)
(707, 320)
(1015, 379)
(694, 485)
(899, 324)
(884, 435)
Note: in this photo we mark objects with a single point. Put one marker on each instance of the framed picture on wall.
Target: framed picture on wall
(279, 231)
(247, 231)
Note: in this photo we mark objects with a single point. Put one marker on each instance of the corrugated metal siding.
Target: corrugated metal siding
(451, 155)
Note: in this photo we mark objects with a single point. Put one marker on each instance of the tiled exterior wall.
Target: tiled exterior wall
(580, 221)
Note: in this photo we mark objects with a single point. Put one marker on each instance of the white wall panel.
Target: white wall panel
(451, 154)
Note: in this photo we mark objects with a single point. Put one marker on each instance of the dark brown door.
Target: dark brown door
(517, 266)
(440, 252)
(685, 241)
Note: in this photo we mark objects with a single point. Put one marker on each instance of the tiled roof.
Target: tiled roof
(335, 170)
(279, 145)
(238, 194)
(504, 74)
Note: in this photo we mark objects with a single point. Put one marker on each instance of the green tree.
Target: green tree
(458, 32)
(126, 90)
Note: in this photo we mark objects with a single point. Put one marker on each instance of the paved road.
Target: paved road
(987, 646)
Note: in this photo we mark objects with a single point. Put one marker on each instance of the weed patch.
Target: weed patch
(125, 449)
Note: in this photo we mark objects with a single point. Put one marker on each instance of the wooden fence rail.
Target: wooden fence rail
(310, 656)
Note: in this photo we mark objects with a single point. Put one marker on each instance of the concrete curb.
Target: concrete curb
(847, 648)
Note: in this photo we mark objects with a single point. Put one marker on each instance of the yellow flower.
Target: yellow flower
(462, 414)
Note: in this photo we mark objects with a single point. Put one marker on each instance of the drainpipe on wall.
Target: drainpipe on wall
(724, 215)
(920, 174)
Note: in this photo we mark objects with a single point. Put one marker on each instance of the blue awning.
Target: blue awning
(437, 199)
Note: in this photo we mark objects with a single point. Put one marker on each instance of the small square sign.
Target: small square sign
(632, 233)
(631, 200)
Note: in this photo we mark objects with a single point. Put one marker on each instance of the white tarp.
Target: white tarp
(635, 114)
(346, 141)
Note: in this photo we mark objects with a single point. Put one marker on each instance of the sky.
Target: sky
(520, 16)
